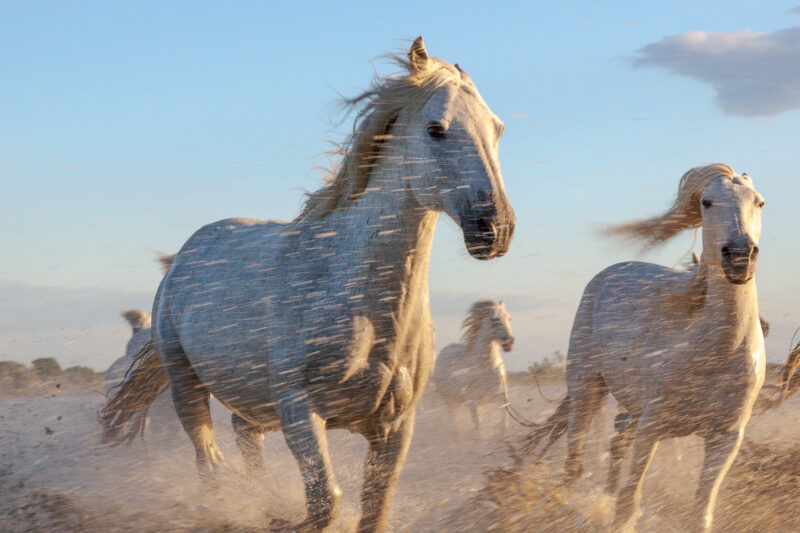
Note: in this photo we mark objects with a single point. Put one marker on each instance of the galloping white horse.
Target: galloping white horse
(325, 322)
(472, 372)
(682, 352)
(140, 326)
(161, 415)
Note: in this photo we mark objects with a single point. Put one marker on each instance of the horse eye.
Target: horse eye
(706, 203)
(436, 130)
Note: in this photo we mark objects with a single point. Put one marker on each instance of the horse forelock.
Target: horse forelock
(685, 210)
(376, 110)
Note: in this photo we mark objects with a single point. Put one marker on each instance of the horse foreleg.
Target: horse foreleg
(250, 441)
(720, 451)
(385, 459)
(304, 431)
(645, 443)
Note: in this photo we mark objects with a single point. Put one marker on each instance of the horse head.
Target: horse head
(454, 138)
(500, 322)
(731, 211)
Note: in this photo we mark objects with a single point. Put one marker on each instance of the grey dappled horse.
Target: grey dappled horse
(472, 372)
(682, 352)
(324, 322)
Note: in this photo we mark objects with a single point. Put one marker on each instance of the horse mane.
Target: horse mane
(138, 320)
(377, 110)
(687, 301)
(476, 314)
(684, 212)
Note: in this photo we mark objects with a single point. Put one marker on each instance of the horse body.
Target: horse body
(643, 355)
(324, 321)
(472, 372)
(323, 336)
(682, 352)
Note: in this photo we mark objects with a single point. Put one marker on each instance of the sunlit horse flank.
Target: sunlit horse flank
(682, 352)
(472, 372)
(325, 322)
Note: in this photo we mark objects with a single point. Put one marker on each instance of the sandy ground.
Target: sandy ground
(55, 476)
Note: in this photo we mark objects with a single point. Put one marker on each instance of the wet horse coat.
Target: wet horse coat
(682, 352)
(324, 322)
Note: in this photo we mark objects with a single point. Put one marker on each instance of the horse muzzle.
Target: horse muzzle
(486, 237)
(739, 262)
(508, 344)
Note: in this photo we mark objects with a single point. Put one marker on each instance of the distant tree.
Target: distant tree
(15, 376)
(46, 368)
(82, 375)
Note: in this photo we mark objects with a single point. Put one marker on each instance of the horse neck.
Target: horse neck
(388, 229)
(483, 346)
(730, 310)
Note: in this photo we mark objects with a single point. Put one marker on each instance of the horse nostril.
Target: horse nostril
(486, 229)
(754, 252)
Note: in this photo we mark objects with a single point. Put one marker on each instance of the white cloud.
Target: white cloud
(752, 73)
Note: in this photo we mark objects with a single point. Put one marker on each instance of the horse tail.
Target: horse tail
(789, 383)
(554, 426)
(124, 414)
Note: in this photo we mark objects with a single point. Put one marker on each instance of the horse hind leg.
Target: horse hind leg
(192, 405)
(620, 444)
(250, 441)
(585, 401)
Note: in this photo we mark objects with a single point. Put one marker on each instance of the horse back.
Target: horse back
(212, 301)
(615, 322)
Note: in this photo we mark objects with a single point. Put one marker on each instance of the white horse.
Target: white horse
(161, 416)
(325, 322)
(140, 322)
(472, 372)
(140, 326)
(682, 352)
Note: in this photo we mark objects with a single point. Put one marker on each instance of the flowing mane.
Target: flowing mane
(475, 316)
(378, 108)
(685, 210)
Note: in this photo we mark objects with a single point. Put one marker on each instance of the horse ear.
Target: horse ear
(418, 56)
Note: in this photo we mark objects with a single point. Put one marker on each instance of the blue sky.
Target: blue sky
(124, 127)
